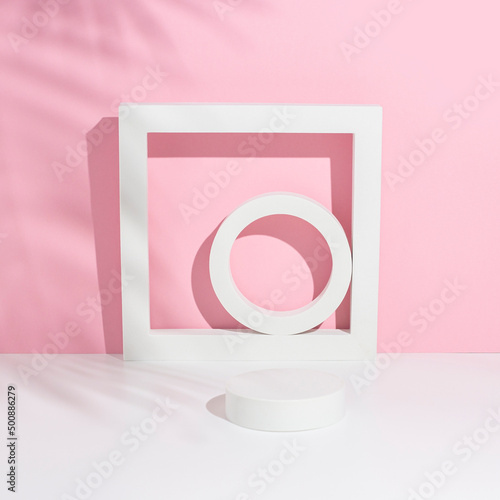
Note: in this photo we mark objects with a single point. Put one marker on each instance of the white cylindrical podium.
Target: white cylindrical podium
(285, 399)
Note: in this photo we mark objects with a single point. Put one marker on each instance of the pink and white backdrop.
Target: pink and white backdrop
(66, 65)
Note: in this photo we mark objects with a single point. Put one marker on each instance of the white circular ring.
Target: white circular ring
(280, 322)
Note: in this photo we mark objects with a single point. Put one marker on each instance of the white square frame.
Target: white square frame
(140, 341)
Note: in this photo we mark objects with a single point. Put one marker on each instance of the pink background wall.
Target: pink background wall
(195, 180)
(433, 66)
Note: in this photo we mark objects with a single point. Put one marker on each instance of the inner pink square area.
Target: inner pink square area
(279, 262)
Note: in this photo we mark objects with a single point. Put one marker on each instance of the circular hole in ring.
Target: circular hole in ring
(280, 262)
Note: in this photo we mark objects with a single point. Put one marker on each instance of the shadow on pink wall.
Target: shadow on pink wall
(103, 163)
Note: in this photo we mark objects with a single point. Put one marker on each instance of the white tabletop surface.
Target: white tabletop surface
(420, 414)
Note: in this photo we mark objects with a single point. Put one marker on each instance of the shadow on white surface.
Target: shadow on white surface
(217, 406)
